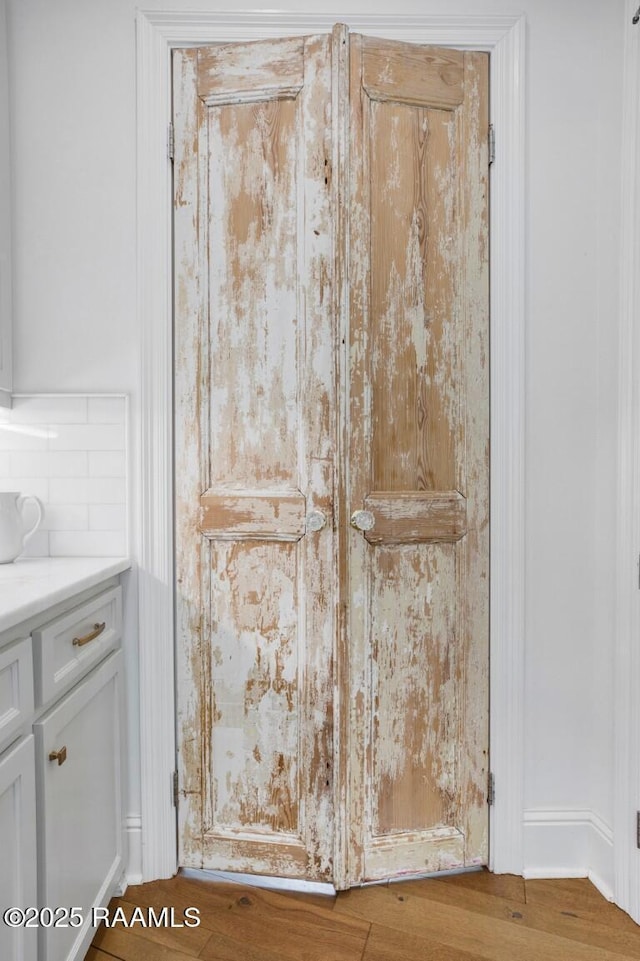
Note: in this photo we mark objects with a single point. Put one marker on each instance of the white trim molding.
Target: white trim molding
(503, 37)
(507, 639)
(627, 654)
(133, 835)
(562, 843)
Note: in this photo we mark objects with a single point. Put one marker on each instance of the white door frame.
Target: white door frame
(626, 747)
(504, 37)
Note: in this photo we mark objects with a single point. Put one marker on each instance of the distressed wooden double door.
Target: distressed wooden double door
(331, 354)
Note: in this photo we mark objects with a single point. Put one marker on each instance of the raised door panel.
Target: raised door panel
(18, 846)
(78, 757)
(418, 459)
(254, 449)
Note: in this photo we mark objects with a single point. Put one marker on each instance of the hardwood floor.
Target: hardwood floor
(469, 917)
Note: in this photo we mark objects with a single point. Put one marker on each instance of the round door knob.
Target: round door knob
(362, 520)
(316, 520)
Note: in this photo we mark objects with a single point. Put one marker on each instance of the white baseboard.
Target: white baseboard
(602, 869)
(133, 835)
(558, 843)
(565, 843)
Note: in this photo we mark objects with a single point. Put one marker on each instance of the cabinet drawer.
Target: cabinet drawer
(16, 690)
(65, 649)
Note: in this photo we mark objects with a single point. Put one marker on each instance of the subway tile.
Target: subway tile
(107, 490)
(66, 517)
(29, 463)
(18, 440)
(107, 410)
(48, 409)
(87, 544)
(38, 486)
(67, 463)
(69, 490)
(110, 463)
(87, 490)
(88, 437)
(107, 517)
(70, 451)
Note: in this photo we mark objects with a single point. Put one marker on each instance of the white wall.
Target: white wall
(72, 72)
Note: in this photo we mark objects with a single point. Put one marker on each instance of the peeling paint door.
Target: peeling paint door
(255, 449)
(331, 362)
(416, 479)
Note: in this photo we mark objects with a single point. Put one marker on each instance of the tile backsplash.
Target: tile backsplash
(70, 451)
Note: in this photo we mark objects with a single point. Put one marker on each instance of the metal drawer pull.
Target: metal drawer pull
(97, 630)
(59, 756)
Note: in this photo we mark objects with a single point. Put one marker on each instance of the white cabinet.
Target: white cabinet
(5, 219)
(61, 824)
(79, 805)
(18, 847)
(17, 798)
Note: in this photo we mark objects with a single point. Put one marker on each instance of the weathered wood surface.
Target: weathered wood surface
(256, 435)
(408, 73)
(416, 517)
(263, 70)
(332, 354)
(193, 664)
(417, 429)
(253, 515)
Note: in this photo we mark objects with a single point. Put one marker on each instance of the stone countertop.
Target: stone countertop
(30, 585)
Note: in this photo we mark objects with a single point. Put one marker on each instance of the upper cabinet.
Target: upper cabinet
(5, 218)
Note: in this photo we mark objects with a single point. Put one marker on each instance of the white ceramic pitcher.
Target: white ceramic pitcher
(14, 532)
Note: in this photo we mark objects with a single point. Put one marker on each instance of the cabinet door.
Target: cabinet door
(18, 847)
(79, 805)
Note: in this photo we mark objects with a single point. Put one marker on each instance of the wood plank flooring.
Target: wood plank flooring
(468, 917)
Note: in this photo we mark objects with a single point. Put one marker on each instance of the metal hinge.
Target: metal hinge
(174, 784)
(491, 789)
(492, 144)
(638, 830)
(171, 142)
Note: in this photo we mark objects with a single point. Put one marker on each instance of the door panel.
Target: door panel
(413, 327)
(417, 428)
(412, 687)
(255, 442)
